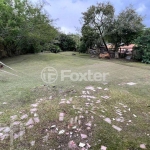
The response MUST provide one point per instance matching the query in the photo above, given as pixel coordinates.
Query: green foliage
(83, 47)
(142, 50)
(76, 38)
(89, 36)
(125, 27)
(66, 43)
(55, 48)
(24, 27)
(97, 19)
(100, 22)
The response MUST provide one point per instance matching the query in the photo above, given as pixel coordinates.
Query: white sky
(68, 12)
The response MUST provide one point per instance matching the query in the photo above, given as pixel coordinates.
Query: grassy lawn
(127, 107)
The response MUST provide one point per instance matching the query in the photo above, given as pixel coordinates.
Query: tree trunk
(101, 36)
(105, 44)
(116, 51)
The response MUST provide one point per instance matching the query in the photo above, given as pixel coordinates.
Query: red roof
(129, 47)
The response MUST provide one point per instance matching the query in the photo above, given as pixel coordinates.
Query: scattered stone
(81, 117)
(72, 145)
(106, 89)
(61, 116)
(61, 132)
(88, 145)
(6, 130)
(35, 114)
(100, 88)
(79, 122)
(1, 134)
(142, 146)
(88, 128)
(45, 138)
(32, 143)
(83, 136)
(98, 101)
(105, 97)
(134, 115)
(1, 129)
(83, 92)
(76, 119)
(53, 126)
(63, 99)
(1, 113)
(121, 119)
(81, 144)
(88, 92)
(50, 98)
(103, 147)
(20, 134)
(36, 119)
(30, 126)
(13, 117)
(62, 102)
(30, 122)
(105, 83)
(25, 116)
(4, 136)
(131, 83)
(89, 124)
(108, 120)
(117, 128)
(90, 88)
(75, 127)
(4, 103)
(33, 110)
(88, 96)
(120, 114)
(93, 112)
(16, 123)
(34, 105)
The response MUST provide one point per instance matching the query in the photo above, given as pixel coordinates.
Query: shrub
(142, 50)
(82, 47)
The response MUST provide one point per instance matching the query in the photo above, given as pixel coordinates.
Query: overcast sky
(68, 12)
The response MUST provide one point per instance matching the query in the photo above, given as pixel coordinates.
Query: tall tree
(89, 36)
(142, 49)
(24, 27)
(125, 27)
(66, 42)
(99, 17)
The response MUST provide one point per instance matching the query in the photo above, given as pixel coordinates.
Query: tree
(89, 36)
(24, 27)
(99, 17)
(66, 42)
(125, 27)
(142, 49)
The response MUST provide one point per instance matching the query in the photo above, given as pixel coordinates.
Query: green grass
(20, 92)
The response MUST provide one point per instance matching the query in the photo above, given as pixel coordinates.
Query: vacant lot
(110, 114)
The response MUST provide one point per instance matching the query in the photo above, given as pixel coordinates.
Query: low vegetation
(28, 88)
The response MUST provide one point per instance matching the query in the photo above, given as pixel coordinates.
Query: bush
(51, 47)
(142, 50)
(55, 49)
(82, 47)
(66, 43)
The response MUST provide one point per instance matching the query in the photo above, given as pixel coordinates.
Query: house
(127, 48)
(126, 51)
